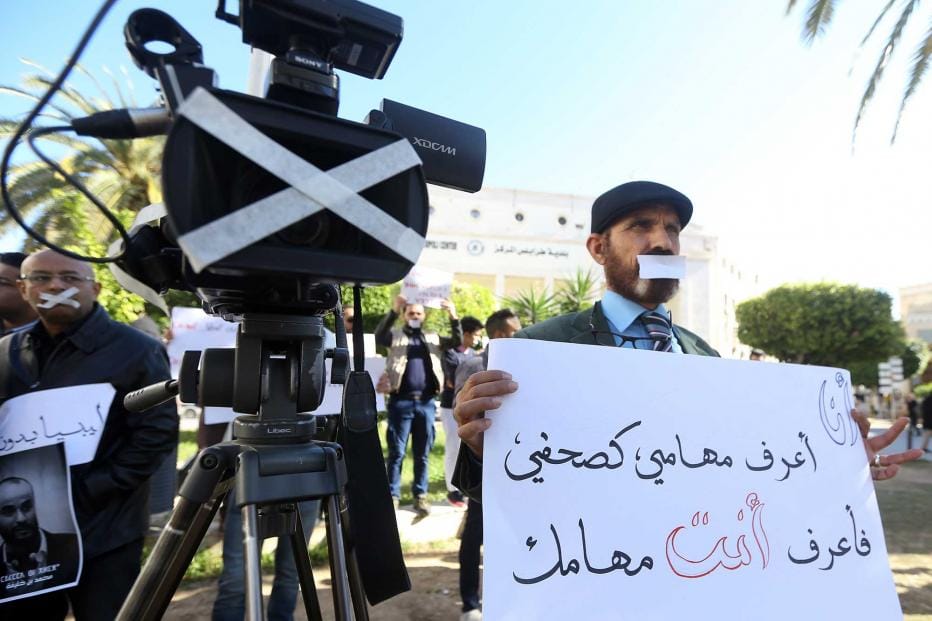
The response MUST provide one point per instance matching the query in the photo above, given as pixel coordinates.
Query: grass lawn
(207, 562)
(906, 508)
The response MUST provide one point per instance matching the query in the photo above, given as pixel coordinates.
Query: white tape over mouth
(312, 189)
(661, 266)
(54, 299)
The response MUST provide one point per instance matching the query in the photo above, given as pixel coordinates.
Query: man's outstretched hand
(483, 391)
(884, 466)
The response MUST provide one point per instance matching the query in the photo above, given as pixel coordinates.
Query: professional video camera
(205, 179)
(268, 204)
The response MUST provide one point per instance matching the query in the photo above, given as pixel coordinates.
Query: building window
(519, 217)
(475, 213)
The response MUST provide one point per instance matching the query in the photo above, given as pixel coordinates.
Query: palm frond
(877, 21)
(116, 87)
(819, 16)
(103, 92)
(37, 65)
(888, 49)
(789, 6)
(12, 90)
(920, 65)
(69, 93)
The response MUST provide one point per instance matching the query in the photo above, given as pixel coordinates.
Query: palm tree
(123, 174)
(577, 293)
(531, 305)
(819, 16)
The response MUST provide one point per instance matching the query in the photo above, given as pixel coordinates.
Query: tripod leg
(252, 547)
(341, 591)
(170, 557)
(305, 573)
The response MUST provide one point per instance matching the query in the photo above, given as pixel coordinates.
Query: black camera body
(204, 179)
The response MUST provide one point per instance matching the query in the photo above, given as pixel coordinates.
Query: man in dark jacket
(76, 343)
(634, 219)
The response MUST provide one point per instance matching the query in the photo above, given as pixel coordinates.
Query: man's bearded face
(649, 230)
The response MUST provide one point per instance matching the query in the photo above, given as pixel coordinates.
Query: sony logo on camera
(436, 146)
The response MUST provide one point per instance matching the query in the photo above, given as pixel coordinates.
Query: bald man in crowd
(76, 343)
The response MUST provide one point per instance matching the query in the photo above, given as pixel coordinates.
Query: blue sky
(719, 99)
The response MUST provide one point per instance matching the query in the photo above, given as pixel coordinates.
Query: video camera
(207, 181)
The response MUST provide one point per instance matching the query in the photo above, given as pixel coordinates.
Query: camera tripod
(277, 370)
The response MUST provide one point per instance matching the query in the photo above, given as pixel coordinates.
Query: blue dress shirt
(623, 317)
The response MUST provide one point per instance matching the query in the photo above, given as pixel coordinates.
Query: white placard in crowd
(426, 286)
(645, 485)
(193, 329)
(74, 415)
(333, 395)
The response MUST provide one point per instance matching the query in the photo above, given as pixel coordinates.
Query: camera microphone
(124, 123)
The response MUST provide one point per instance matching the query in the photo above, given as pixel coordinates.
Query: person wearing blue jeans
(230, 604)
(412, 372)
(414, 417)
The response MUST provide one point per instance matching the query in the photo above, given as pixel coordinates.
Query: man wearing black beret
(636, 218)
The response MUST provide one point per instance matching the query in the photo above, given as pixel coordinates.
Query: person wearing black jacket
(75, 343)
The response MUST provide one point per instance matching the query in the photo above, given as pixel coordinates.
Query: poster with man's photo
(40, 549)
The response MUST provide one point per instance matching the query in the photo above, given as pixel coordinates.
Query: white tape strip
(661, 266)
(147, 214)
(54, 299)
(312, 189)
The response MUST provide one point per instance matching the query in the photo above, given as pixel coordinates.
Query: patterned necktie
(658, 328)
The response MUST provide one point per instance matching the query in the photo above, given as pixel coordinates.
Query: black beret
(629, 196)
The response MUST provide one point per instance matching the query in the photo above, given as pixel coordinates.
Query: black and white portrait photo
(40, 550)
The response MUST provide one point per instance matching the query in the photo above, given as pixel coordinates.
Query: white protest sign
(193, 329)
(333, 395)
(427, 286)
(646, 485)
(75, 415)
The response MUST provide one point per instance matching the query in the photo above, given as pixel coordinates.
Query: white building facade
(514, 240)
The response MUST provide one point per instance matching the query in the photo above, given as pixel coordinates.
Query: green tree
(819, 15)
(376, 301)
(118, 302)
(469, 299)
(578, 293)
(914, 357)
(123, 174)
(825, 323)
(532, 305)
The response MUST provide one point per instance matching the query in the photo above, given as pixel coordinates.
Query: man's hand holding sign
(678, 485)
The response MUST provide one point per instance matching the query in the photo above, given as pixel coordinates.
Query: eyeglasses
(620, 340)
(43, 278)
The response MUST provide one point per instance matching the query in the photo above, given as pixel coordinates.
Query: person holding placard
(501, 324)
(75, 343)
(635, 238)
(413, 368)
